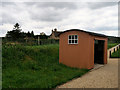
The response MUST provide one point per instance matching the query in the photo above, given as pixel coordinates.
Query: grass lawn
(110, 45)
(35, 67)
(116, 54)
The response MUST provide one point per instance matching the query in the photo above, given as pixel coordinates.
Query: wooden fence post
(38, 40)
(117, 48)
(114, 49)
(110, 55)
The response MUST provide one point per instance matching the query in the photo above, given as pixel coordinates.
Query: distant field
(116, 54)
(110, 45)
(35, 67)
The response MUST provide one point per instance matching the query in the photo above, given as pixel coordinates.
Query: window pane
(76, 37)
(72, 36)
(72, 41)
(69, 36)
(76, 41)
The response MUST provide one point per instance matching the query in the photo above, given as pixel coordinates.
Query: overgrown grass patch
(116, 54)
(35, 67)
(110, 45)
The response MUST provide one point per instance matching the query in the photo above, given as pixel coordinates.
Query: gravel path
(104, 77)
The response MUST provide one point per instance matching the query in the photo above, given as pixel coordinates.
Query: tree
(15, 33)
(32, 34)
(17, 26)
(28, 34)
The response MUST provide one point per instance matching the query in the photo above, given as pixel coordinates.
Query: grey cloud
(105, 28)
(38, 10)
(50, 14)
(53, 15)
(73, 5)
(41, 10)
(97, 5)
(4, 4)
(57, 5)
(50, 18)
(10, 12)
(8, 19)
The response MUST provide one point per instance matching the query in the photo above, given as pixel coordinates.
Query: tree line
(17, 33)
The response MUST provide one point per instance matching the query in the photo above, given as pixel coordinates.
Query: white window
(73, 39)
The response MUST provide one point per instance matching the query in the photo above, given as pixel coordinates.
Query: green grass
(35, 67)
(116, 54)
(110, 45)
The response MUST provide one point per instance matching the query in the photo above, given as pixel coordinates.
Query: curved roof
(91, 33)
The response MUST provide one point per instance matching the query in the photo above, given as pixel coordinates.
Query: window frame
(73, 39)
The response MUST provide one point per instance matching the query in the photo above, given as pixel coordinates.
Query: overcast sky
(100, 17)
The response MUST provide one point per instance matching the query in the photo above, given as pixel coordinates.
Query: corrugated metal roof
(91, 33)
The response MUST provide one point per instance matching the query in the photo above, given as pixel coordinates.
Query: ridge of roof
(91, 33)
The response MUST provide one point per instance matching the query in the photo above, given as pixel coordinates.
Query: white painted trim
(73, 39)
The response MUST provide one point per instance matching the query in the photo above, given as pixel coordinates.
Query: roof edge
(91, 33)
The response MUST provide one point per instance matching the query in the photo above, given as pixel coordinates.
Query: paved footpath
(104, 77)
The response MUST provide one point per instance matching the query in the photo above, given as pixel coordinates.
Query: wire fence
(30, 41)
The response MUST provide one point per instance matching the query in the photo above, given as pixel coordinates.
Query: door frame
(103, 49)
